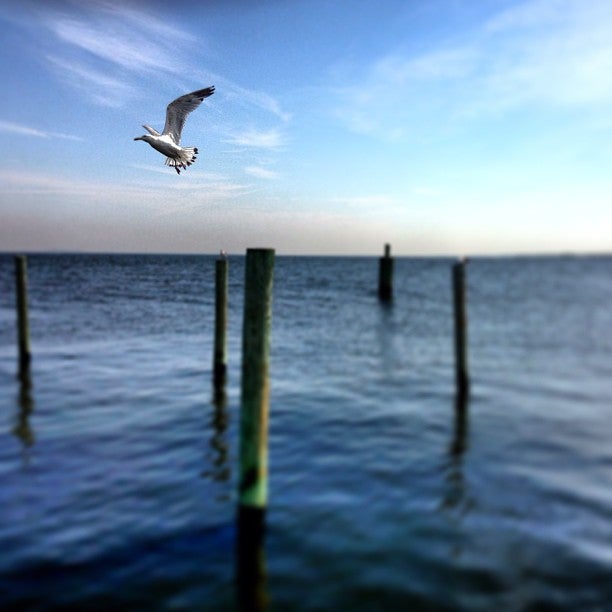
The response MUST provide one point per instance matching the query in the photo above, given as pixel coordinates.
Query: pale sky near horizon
(439, 126)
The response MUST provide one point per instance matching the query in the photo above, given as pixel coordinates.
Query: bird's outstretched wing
(151, 130)
(177, 111)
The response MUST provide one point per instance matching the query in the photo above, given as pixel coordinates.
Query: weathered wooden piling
(461, 356)
(385, 276)
(253, 476)
(253, 471)
(220, 346)
(23, 326)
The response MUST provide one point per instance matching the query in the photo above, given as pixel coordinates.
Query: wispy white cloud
(253, 97)
(527, 15)
(190, 190)
(544, 53)
(162, 169)
(33, 182)
(263, 173)
(372, 202)
(134, 40)
(261, 139)
(556, 53)
(448, 63)
(17, 128)
(399, 89)
(156, 169)
(98, 86)
(144, 21)
(105, 47)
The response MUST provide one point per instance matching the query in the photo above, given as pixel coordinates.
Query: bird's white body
(164, 144)
(168, 143)
(176, 156)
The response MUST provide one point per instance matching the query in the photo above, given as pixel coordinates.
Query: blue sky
(440, 126)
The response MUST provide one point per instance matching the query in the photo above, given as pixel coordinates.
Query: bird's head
(145, 137)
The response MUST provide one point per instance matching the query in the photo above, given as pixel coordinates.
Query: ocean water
(118, 465)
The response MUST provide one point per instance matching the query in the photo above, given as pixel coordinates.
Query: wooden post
(253, 477)
(385, 276)
(220, 347)
(461, 358)
(21, 280)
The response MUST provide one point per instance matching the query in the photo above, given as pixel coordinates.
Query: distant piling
(253, 478)
(385, 276)
(220, 345)
(23, 326)
(461, 355)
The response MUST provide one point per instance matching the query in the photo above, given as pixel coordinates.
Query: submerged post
(21, 282)
(220, 347)
(461, 358)
(253, 477)
(385, 276)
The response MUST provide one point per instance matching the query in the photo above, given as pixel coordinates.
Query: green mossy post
(220, 347)
(21, 282)
(461, 358)
(253, 477)
(385, 276)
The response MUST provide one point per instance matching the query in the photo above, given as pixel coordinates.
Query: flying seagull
(168, 142)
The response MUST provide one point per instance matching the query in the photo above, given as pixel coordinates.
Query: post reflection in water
(219, 463)
(455, 496)
(23, 430)
(386, 334)
(459, 444)
(251, 576)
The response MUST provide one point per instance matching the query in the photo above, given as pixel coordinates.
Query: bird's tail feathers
(186, 157)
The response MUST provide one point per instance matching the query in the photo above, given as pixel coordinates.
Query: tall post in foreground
(21, 281)
(461, 360)
(385, 276)
(253, 476)
(220, 347)
(253, 480)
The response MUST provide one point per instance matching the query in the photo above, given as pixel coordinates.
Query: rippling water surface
(118, 467)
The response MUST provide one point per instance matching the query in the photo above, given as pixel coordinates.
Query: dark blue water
(118, 470)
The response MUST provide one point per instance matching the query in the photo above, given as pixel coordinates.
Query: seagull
(168, 142)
